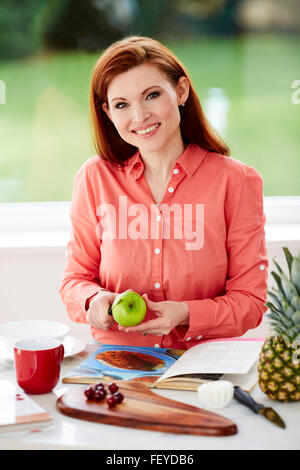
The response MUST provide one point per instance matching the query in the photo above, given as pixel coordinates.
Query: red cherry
(111, 401)
(89, 393)
(99, 386)
(113, 387)
(119, 397)
(99, 395)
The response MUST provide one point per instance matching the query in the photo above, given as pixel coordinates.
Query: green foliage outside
(29, 27)
(45, 130)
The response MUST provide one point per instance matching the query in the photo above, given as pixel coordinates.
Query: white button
(170, 189)
(156, 346)
(261, 267)
(175, 171)
(158, 218)
(157, 285)
(189, 338)
(157, 251)
(199, 336)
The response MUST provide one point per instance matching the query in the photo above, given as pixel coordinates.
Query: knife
(245, 399)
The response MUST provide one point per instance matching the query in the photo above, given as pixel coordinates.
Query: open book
(233, 359)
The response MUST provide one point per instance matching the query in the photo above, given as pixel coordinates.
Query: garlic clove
(215, 394)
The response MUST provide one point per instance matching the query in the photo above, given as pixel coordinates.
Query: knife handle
(245, 399)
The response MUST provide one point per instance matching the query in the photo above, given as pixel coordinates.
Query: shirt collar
(191, 158)
(135, 165)
(189, 161)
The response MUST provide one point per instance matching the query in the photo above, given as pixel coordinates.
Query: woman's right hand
(97, 314)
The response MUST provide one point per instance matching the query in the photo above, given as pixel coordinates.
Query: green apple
(129, 308)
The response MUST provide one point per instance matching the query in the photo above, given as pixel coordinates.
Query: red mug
(37, 364)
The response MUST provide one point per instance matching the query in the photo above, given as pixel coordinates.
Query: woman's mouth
(147, 131)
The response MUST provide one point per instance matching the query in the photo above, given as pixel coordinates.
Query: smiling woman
(146, 114)
(117, 70)
(196, 250)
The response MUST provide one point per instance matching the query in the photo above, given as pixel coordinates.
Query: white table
(254, 431)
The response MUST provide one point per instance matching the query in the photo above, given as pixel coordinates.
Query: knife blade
(246, 399)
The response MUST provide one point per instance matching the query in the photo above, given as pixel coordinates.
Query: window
(245, 85)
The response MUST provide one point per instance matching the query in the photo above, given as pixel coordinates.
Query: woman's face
(143, 105)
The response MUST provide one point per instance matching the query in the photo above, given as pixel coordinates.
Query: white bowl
(17, 330)
(215, 394)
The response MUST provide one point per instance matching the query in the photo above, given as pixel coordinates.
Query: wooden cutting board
(144, 409)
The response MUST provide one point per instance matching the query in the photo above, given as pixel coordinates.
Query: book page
(192, 381)
(217, 357)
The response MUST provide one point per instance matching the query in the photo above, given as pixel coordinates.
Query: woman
(162, 210)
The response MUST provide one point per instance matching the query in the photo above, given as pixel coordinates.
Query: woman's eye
(120, 105)
(152, 95)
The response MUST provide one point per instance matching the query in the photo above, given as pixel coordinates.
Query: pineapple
(279, 360)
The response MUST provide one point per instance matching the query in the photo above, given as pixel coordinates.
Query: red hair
(128, 53)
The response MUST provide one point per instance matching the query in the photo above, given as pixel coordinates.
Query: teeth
(149, 129)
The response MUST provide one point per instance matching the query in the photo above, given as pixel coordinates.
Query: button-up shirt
(204, 244)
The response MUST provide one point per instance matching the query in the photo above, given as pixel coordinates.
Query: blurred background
(242, 55)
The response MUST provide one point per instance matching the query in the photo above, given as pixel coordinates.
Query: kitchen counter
(254, 431)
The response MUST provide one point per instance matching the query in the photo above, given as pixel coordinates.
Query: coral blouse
(204, 244)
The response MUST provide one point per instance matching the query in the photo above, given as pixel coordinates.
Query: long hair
(122, 56)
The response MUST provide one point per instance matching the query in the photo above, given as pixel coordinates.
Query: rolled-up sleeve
(243, 304)
(81, 273)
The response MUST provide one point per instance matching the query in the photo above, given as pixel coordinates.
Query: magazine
(233, 359)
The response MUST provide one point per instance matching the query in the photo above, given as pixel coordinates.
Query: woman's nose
(139, 113)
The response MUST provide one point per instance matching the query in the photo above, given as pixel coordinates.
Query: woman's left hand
(170, 314)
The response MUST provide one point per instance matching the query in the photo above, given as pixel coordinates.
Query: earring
(182, 105)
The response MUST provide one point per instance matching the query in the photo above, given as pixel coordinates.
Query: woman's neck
(158, 165)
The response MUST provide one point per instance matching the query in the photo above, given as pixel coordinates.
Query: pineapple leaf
(277, 266)
(288, 287)
(295, 273)
(295, 302)
(274, 317)
(281, 333)
(281, 318)
(272, 307)
(279, 294)
(293, 332)
(276, 301)
(286, 321)
(296, 317)
(278, 281)
(287, 309)
(296, 339)
(277, 328)
(288, 257)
